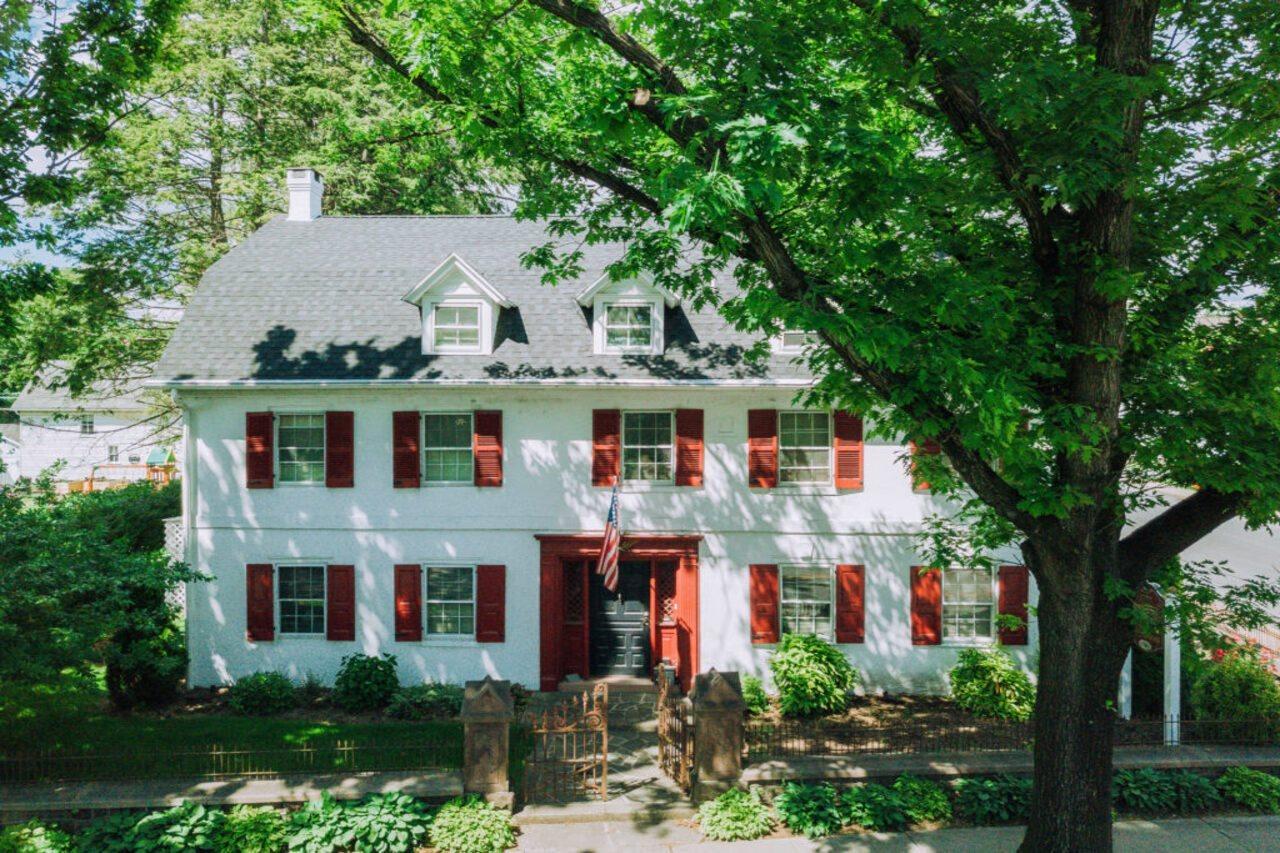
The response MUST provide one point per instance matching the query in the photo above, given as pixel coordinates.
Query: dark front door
(620, 622)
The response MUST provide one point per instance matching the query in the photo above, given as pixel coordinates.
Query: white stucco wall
(547, 489)
(49, 437)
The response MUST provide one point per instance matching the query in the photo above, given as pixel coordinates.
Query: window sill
(303, 484)
(448, 640)
(816, 489)
(642, 486)
(980, 643)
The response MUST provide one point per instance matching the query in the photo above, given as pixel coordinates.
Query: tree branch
(1173, 531)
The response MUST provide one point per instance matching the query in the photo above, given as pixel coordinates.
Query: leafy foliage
(875, 807)
(1240, 687)
(1145, 790)
(188, 827)
(470, 825)
(252, 829)
(987, 683)
(999, 799)
(924, 801)
(753, 694)
(110, 834)
(812, 676)
(263, 693)
(735, 815)
(1253, 789)
(34, 837)
(382, 823)
(814, 811)
(426, 702)
(365, 682)
(1195, 792)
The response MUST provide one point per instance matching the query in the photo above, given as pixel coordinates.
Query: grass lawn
(66, 731)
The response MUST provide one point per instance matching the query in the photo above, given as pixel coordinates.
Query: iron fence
(767, 739)
(217, 762)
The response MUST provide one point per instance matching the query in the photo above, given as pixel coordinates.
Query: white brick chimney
(306, 191)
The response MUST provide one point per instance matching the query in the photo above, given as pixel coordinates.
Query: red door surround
(673, 601)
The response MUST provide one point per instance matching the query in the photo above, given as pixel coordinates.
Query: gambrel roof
(323, 301)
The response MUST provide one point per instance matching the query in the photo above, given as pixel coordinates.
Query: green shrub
(735, 815)
(753, 694)
(987, 683)
(426, 702)
(1239, 688)
(520, 698)
(35, 837)
(365, 682)
(263, 693)
(924, 801)
(318, 827)
(187, 827)
(470, 825)
(1000, 799)
(811, 810)
(109, 834)
(812, 676)
(1146, 791)
(311, 691)
(874, 807)
(146, 660)
(1253, 789)
(252, 829)
(1195, 793)
(383, 823)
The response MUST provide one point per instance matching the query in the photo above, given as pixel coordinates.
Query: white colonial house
(398, 440)
(102, 437)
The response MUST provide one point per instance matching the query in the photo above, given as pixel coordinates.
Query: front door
(620, 622)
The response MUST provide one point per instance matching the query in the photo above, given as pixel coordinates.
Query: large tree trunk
(1082, 650)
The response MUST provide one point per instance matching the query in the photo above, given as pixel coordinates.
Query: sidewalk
(1192, 835)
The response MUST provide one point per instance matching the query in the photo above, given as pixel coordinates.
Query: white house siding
(50, 437)
(547, 489)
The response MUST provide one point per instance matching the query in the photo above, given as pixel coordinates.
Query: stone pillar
(719, 728)
(487, 711)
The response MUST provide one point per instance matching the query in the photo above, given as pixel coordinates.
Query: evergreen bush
(987, 683)
(365, 682)
(812, 676)
(263, 693)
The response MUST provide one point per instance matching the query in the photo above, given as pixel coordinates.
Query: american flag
(607, 565)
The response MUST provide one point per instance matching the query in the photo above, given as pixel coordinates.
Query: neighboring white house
(398, 440)
(102, 437)
(8, 455)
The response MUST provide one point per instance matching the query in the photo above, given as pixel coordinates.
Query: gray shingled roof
(321, 300)
(100, 397)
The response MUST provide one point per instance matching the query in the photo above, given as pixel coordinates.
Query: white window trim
(657, 332)
(484, 337)
(830, 637)
(622, 437)
(90, 422)
(422, 453)
(275, 447)
(449, 639)
(971, 642)
(817, 486)
(275, 595)
(780, 344)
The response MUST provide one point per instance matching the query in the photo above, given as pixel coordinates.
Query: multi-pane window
(628, 326)
(113, 453)
(457, 327)
(451, 603)
(806, 600)
(968, 605)
(804, 444)
(647, 446)
(446, 448)
(795, 339)
(86, 424)
(301, 597)
(300, 439)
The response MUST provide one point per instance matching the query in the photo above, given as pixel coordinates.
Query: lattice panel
(575, 594)
(666, 597)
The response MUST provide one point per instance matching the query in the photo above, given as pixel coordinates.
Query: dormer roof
(450, 266)
(587, 296)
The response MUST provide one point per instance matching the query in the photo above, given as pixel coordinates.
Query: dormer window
(456, 328)
(794, 340)
(459, 309)
(628, 328)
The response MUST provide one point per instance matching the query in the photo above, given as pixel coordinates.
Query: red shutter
(340, 450)
(491, 604)
(408, 603)
(850, 603)
(848, 451)
(259, 450)
(260, 610)
(764, 604)
(688, 447)
(1013, 602)
(606, 446)
(930, 448)
(762, 448)
(486, 445)
(406, 470)
(340, 588)
(926, 606)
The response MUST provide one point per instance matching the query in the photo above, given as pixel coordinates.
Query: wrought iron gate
(568, 755)
(675, 729)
